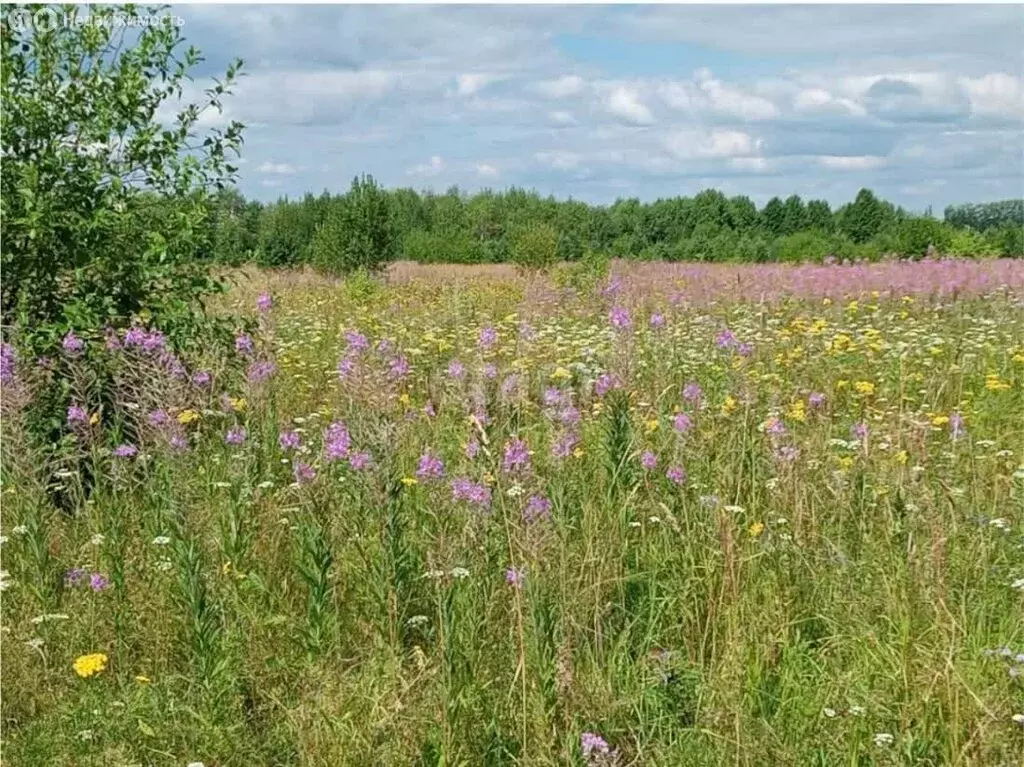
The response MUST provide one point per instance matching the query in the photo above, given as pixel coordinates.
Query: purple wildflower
(303, 472)
(568, 416)
(605, 383)
(517, 457)
(553, 396)
(73, 344)
(593, 743)
(488, 337)
(98, 582)
(775, 427)
(360, 461)
(154, 341)
(289, 440)
(77, 414)
(75, 576)
(337, 442)
(264, 302)
(472, 448)
(178, 442)
(648, 460)
(538, 507)
(201, 379)
(745, 349)
(692, 392)
(258, 372)
(356, 341)
(526, 332)
(126, 450)
(384, 346)
(399, 367)
(956, 426)
(243, 343)
(725, 339)
(430, 467)
(676, 474)
(490, 370)
(816, 400)
(159, 418)
(456, 369)
(509, 387)
(6, 363)
(347, 365)
(682, 423)
(619, 318)
(563, 446)
(112, 342)
(787, 454)
(135, 336)
(657, 320)
(513, 577)
(463, 489)
(859, 430)
(429, 411)
(235, 435)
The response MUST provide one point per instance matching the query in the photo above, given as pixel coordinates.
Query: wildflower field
(682, 515)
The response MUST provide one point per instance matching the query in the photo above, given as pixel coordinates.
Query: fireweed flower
(605, 383)
(517, 457)
(264, 302)
(859, 430)
(347, 365)
(472, 448)
(619, 318)
(956, 426)
(98, 582)
(73, 344)
(513, 577)
(337, 442)
(360, 461)
(537, 507)
(259, 372)
(235, 435)
(456, 370)
(591, 743)
(648, 460)
(430, 467)
(816, 400)
(775, 427)
(289, 440)
(178, 442)
(509, 387)
(657, 320)
(201, 379)
(526, 332)
(6, 363)
(563, 446)
(77, 414)
(356, 341)
(682, 423)
(126, 450)
(159, 418)
(154, 341)
(553, 397)
(303, 472)
(243, 343)
(134, 336)
(111, 341)
(676, 475)
(725, 339)
(429, 411)
(399, 367)
(488, 337)
(464, 489)
(75, 576)
(745, 349)
(692, 392)
(490, 370)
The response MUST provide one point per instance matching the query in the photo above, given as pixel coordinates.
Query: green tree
(357, 231)
(773, 217)
(864, 218)
(819, 216)
(105, 209)
(534, 247)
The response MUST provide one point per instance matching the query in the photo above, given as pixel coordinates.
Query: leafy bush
(105, 209)
(534, 246)
(356, 232)
(803, 246)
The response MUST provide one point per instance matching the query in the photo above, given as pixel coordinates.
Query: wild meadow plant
(686, 515)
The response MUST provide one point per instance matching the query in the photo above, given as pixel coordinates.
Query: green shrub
(534, 246)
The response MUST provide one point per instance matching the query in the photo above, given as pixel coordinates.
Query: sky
(923, 104)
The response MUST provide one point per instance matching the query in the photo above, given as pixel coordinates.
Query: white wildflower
(434, 574)
(857, 710)
(459, 572)
(829, 712)
(161, 540)
(1018, 718)
(97, 539)
(5, 580)
(20, 530)
(883, 739)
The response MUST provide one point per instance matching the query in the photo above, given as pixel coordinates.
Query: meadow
(683, 514)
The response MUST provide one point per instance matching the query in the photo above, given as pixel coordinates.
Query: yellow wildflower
(797, 411)
(187, 417)
(561, 374)
(143, 679)
(756, 529)
(409, 481)
(238, 404)
(940, 420)
(578, 453)
(404, 398)
(652, 425)
(901, 457)
(729, 405)
(864, 387)
(87, 665)
(94, 418)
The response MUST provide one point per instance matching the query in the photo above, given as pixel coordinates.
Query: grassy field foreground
(685, 516)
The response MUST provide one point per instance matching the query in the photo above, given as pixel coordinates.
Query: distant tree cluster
(369, 226)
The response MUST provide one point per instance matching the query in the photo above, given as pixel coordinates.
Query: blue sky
(924, 104)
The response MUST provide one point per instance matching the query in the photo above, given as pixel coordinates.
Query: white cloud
(559, 159)
(821, 101)
(432, 168)
(733, 101)
(278, 168)
(484, 170)
(563, 87)
(753, 164)
(688, 144)
(997, 93)
(862, 162)
(560, 117)
(624, 102)
(468, 84)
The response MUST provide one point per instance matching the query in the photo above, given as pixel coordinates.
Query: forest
(370, 225)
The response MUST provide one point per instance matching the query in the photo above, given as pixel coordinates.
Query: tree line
(370, 225)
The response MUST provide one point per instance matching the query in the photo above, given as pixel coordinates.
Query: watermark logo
(46, 19)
